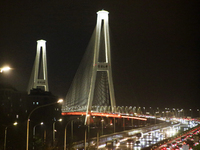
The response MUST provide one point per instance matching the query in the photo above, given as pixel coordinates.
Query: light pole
(54, 130)
(102, 126)
(174, 112)
(144, 111)
(34, 132)
(35, 127)
(27, 130)
(182, 113)
(191, 112)
(65, 138)
(199, 112)
(15, 123)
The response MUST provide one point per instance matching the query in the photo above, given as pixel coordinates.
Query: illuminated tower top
(103, 14)
(39, 74)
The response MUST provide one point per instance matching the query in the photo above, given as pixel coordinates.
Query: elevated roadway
(156, 130)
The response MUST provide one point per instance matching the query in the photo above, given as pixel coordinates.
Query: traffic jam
(187, 141)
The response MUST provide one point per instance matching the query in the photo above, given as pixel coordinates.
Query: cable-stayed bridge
(92, 90)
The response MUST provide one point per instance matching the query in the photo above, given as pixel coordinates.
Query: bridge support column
(88, 130)
(72, 130)
(97, 139)
(138, 123)
(124, 123)
(132, 123)
(114, 124)
(85, 138)
(102, 126)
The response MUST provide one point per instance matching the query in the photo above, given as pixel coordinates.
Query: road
(149, 135)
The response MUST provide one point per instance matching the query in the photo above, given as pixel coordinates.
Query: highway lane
(148, 134)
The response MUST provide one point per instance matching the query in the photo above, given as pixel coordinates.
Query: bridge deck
(103, 115)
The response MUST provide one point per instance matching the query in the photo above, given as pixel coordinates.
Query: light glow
(15, 123)
(60, 101)
(5, 69)
(102, 146)
(102, 115)
(103, 14)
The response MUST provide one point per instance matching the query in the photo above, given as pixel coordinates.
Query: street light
(144, 111)
(191, 112)
(41, 123)
(60, 101)
(34, 132)
(15, 123)
(55, 130)
(65, 138)
(4, 69)
(102, 126)
(27, 130)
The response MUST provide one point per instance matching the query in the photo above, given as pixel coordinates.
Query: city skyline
(154, 47)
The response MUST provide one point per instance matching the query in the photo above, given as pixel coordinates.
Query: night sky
(155, 46)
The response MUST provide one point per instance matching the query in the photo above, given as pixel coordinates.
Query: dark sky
(154, 46)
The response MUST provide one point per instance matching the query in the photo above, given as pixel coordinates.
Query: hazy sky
(154, 46)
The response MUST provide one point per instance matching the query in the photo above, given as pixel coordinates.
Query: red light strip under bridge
(102, 115)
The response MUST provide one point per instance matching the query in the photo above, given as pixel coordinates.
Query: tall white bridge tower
(93, 83)
(39, 72)
(101, 64)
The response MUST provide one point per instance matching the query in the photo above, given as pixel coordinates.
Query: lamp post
(144, 111)
(150, 111)
(102, 126)
(35, 127)
(15, 123)
(54, 130)
(182, 113)
(191, 112)
(174, 112)
(199, 112)
(27, 130)
(65, 138)
(34, 132)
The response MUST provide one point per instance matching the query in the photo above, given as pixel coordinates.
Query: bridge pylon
(39, 77)
(101, 64)
(92, 86)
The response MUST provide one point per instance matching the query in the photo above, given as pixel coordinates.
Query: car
(116, 141)
(196, 143)
(183, 138)
(173, 144)
(169, 145)
(175, 148)
(179, 144)
(109, 144)
(137, 143)
(130, 142)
